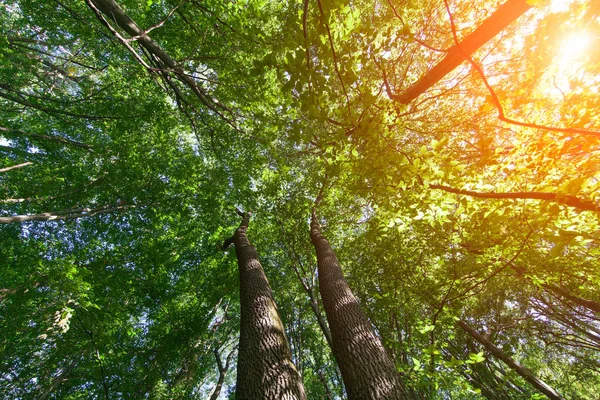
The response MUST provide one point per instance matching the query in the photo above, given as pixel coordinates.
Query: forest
(300, 199)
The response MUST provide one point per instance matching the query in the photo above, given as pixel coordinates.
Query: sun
(575, 46)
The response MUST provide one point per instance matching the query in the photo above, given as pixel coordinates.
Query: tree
(265, 368)
(366, 368)
(475, 201)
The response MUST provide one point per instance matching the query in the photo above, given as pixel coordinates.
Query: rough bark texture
(524, 372)
(367, 371)
(264, 369)
(498, 21)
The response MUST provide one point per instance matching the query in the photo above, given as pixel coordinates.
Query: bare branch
(567, 200)
(48, 137)
(64, 214)
(15, 166)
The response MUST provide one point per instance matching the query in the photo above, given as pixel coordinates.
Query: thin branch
(305, 33)
(493, 274)
(98, 357)
(15, 166)
(567, 200)
(335, 58)
(64, 214)
(162, 22)
(413, 36)
(48, 137)
(47, 198)
(53, 111)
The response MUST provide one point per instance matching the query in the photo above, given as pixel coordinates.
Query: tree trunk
(367, 371)
(264, 368)
(498, 21)
(524, 372)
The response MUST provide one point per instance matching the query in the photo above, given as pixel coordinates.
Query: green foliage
(132, 303)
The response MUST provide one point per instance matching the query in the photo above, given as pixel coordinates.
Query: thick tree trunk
(524, 372)
(367, 371)
(264, 368)
(498, 21)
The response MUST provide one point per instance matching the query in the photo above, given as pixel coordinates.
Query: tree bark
(264, 368)
(367, 371)
(524, 372)
(498, 21)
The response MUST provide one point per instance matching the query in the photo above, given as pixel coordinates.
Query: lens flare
(576, 46)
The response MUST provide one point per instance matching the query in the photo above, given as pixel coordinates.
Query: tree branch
(501, 115)
(57, 139)
(6, 169)
(567, 200)
(499, 20)
(64, 214)
(111, 9)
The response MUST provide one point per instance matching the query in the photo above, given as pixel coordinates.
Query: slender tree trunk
(524, 372)
(367, 371)
(498, 21)
(589, 304)
(264, 368)
(314, 305)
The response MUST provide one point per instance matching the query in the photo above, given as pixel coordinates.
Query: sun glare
(575, 45)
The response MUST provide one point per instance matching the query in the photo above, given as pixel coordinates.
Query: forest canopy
(448, 151)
